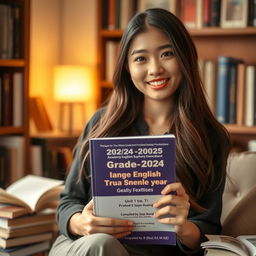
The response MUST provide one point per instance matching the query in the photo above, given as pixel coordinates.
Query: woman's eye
(140, 59)
(167, 54)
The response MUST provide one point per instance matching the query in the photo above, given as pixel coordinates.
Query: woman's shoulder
(97, 115)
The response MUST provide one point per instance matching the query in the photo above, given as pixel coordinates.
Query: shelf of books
(225, 45)
(14, 67)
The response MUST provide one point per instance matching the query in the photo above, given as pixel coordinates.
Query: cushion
(239, 197)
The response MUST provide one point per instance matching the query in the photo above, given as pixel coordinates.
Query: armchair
(239, 198)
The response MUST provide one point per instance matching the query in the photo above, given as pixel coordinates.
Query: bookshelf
(14, 61)
(211, 42)
(55, 153)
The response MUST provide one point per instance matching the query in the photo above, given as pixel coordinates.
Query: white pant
(93, 245)
(106, 245)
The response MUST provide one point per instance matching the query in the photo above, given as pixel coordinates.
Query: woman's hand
(175, 204)
(86, 223)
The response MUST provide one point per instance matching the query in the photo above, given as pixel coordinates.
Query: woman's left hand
(175, 202)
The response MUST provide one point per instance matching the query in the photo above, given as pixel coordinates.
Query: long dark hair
(192, 118)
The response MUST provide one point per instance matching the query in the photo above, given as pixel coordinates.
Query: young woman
(157, 90)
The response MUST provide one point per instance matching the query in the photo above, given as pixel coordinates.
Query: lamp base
(67, 109)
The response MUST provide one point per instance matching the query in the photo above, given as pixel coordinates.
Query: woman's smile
(158, 84)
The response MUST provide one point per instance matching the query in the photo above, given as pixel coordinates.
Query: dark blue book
(226, 87)
(215, 13)
(128, 175)
(233, 94)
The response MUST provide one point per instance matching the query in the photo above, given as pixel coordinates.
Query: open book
(33, 193)
(242, 245)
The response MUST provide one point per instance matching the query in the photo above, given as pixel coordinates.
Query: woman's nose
(155, 67)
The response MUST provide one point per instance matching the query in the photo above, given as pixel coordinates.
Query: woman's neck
(157, 117)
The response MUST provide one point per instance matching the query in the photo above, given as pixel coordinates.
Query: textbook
(27, 230)
(11, 211)
(6, 243)
(128, 175)
(244, 245)
(26, 250)
(43, 217)
(33, 193)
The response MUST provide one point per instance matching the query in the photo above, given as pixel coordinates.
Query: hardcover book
(34, 193)
(7, 243)
(47, 216)
(128, 175)
(243, 245)
(8, 233)
(24, 250)
(226, 88)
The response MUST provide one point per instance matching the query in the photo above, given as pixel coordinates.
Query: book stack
(27, 215)
(222, 245)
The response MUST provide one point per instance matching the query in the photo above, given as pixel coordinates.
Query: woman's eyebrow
(164, 46)
(144, 50)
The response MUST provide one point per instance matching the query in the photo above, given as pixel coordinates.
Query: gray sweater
(77, 193)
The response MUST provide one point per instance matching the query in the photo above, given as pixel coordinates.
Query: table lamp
(73, 85)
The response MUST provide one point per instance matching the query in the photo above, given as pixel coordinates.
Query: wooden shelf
(235, 129)
(111, 33)
(12, 63)
(217, 31)
(211, 31)
(11, 130)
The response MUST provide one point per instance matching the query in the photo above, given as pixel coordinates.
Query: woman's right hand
(86, 223)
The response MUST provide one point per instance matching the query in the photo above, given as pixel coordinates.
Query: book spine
(210, 83)
(17, 32)
(105, 14)
(111, 49)
(117, 14)
(233, 94)
(93, 182)
(215, 13)
(249, 96)
(4, 166)
(7, 99)
(17, 99)
(127, 10)
(254, 14)
(240, 94)
(206, 13)
(199, 13)
(223, 85)
(4, 30)
(188, 13)
(111, 14)
(1, 99)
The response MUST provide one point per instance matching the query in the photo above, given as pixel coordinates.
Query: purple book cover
(128, 175)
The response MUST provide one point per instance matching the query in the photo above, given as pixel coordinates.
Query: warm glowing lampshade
(73, 86)
(73, 83)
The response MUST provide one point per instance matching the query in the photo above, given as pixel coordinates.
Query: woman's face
(152, 65)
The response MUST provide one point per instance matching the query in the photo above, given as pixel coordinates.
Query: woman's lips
(158, 83)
